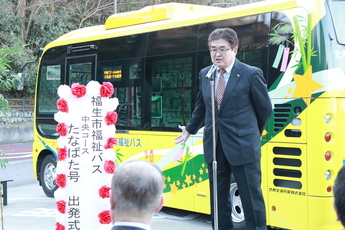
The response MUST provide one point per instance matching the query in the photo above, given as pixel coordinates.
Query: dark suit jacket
(125, 228)
(244, 112)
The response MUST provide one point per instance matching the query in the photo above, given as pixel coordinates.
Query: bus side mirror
(20, 82)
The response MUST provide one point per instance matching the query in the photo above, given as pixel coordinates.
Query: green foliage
(10, 24)
(118, 157)
(3, 162)
(301, 34)
(187, 157)
(3, 104)
(280, 31)
(8, 78)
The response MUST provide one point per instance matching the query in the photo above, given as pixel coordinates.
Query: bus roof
(166, 16)
(155, 13)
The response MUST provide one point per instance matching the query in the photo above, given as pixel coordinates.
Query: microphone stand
(214, 163)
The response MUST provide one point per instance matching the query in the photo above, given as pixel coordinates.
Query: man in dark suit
(136, 195)
(242, 109)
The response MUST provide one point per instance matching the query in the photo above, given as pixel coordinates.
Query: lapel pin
(238, 75)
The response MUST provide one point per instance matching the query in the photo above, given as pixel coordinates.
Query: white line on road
(17, 156)
(38, 212)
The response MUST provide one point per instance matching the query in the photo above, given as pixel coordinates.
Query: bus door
(80, 69)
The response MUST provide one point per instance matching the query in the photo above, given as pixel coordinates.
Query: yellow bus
(152, 57)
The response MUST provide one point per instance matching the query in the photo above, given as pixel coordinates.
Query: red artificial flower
(62, 105)
(59, 226)
(61, 206)
(78, 90)
(110, 118)
(110, 143)
(62, 153)
(62, 129)
(104, 217)
(104, 192)
(107, 89)
(61, 180)
(109, 167)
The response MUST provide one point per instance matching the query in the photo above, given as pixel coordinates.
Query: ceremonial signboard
(86, 119)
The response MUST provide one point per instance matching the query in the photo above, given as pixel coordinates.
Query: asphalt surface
(29, 208)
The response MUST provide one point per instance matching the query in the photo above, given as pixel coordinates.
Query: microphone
(211, 70)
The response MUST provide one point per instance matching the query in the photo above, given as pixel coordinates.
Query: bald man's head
(137, 188)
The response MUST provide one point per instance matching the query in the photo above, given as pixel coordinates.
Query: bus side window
(129, 109)
(49, 80)
(171, 100)
(80, 73)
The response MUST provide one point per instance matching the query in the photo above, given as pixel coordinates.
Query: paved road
(16, 152)
(30, 209)
(19, 168)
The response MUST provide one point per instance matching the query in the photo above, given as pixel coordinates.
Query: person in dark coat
(242, 110)
(136, 195)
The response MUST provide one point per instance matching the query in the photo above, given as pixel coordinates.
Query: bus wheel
(237, 213)
(47, 175)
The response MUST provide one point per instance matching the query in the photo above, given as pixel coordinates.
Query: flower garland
(86, 125)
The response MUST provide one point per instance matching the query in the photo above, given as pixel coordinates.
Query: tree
(89, 12)
(14, 52)
(32, 24)
(8, 79)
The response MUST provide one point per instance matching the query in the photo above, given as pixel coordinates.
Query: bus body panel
(318, 166)
(287, 185)
(155, 69)
(322, 218)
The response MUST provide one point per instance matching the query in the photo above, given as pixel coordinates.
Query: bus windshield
(337, 9)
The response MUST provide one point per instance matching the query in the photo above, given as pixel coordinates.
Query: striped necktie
(220, 88)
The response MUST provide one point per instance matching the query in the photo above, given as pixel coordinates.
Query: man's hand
(183, 137)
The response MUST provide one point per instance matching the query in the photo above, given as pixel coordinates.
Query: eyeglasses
(219, 50)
